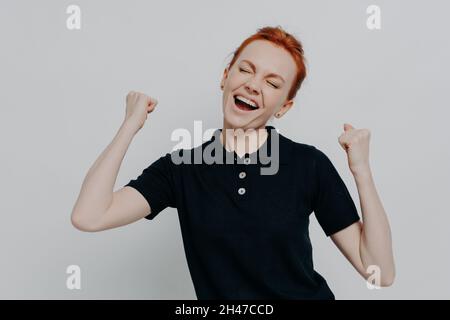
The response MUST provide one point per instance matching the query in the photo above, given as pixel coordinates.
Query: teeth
(247, 101)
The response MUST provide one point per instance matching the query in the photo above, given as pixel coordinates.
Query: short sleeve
(156, 185)
(332, 203)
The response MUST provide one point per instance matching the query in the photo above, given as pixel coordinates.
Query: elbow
(82, 225)
(377, 278)
(387, 282)
(384, 282)
(389, 278)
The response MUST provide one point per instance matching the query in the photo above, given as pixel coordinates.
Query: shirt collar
(275, 144)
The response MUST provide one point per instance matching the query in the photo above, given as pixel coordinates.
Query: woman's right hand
(138, 107)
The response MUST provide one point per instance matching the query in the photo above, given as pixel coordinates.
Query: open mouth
(244, 104)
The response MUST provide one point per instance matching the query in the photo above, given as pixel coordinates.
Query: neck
(242, 140)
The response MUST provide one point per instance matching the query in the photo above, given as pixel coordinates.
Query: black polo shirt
(245, 234)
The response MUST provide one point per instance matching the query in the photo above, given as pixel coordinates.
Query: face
(263, 73)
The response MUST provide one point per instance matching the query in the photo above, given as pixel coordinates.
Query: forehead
(268, 57)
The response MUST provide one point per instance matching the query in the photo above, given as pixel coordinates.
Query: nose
(252, 87)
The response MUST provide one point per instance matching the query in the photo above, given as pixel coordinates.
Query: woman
(245, 233)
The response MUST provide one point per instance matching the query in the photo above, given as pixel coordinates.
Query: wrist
(128, 128)
(362, 170)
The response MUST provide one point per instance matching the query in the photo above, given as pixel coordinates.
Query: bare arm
(368, 243)
(98, 207)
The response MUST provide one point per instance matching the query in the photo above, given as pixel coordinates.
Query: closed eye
(272, 84)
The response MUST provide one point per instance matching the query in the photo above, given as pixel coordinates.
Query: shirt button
(242, 175)
(246, 160)
(241, 191)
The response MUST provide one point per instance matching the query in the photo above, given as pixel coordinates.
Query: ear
(224, 77)
(285, 108)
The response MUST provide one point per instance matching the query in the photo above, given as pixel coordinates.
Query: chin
(235, 120)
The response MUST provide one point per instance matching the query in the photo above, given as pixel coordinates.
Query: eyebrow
(269, 75)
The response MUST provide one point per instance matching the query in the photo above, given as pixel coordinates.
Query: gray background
(62, 97)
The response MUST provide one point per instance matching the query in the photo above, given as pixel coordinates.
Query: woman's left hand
(355, 142)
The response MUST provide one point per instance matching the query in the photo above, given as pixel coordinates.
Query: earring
(278, 115)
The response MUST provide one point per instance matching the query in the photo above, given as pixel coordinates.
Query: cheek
(234, 81)
(272, 100)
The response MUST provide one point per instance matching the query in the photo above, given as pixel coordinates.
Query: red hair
(282, 39)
